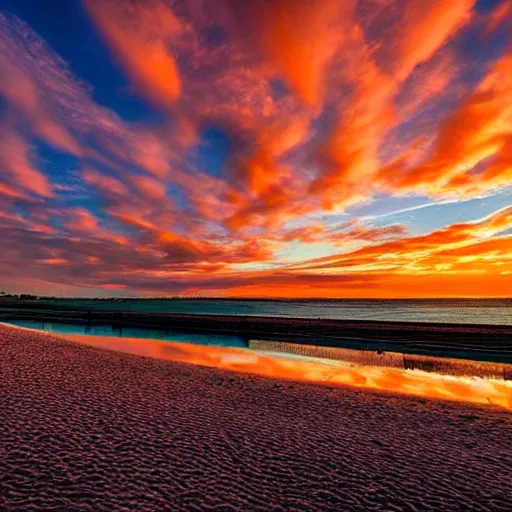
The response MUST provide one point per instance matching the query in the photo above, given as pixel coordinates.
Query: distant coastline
(186, 298)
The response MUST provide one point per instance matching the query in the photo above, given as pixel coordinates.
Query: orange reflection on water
(410, 382)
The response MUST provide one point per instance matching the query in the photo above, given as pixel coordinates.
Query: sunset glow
(272, 148)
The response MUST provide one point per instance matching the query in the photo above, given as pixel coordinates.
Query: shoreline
(314, 370)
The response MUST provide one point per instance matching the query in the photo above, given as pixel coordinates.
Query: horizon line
(269, 298)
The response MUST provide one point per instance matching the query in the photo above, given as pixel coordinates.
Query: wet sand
(92, 429)
(297, 368)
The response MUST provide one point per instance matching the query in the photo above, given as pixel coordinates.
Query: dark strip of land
(470, 341)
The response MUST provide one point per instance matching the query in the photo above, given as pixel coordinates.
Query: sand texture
(85, 429)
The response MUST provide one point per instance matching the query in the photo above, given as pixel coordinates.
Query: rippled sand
(90, 429)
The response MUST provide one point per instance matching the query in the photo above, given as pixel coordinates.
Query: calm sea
(470, 311)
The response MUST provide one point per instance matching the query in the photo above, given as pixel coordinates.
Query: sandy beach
(88, 429)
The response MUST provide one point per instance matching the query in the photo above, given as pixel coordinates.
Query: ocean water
(466, 311)
(218, 340)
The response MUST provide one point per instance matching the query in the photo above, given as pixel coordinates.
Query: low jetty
(440, 365)
(468, 341)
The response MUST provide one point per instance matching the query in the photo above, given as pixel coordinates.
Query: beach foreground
(91, 429)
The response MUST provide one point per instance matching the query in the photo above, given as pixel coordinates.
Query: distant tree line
(18, 296)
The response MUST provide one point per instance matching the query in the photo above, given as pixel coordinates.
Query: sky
(268, 148)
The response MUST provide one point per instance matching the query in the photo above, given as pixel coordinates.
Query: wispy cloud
(140, 36)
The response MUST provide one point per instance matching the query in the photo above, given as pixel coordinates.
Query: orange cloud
(149, 187)
(426, 27)
(106, 184)
(54, 261)
(8, 191)
(133, 220)
(467, 259)
(28, 224)
(139, 35)
(82, 220)
(296, 39)
(113, 286)
(141, 148)
(15, 158)
(364, 233)
(349, 156)
(22, 94)
(92, 260)
(428, 83)
(260, 171)
(409, 255)
(307, 234)
(299, 38)
(470, 136)
(181, 248)
(352, 231)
